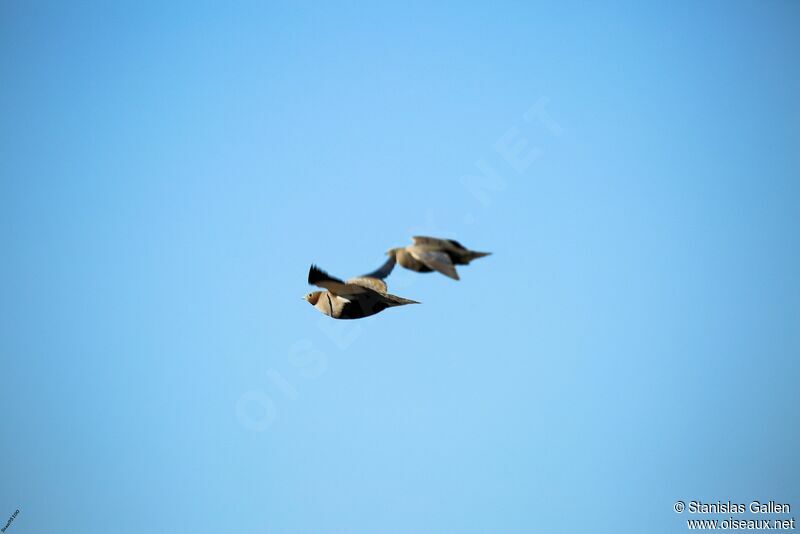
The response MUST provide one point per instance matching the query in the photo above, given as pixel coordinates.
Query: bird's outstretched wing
(374, 280)
(320, 278)
(436, 260)
(444, 244)
(383, 271)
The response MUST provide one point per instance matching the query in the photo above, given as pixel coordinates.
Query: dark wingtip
(315, 274)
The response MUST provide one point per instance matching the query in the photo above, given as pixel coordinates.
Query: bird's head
(392, 252)
(313, 297)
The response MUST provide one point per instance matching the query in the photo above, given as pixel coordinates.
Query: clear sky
(169, 171)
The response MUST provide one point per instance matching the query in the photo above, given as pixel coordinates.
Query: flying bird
(428, 254)
(356, 298)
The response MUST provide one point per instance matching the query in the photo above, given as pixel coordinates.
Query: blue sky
(168, 174)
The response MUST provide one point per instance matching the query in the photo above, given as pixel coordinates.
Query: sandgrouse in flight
(356, 298)
(428, 254)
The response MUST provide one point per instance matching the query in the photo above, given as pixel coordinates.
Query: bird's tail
(473, 255)
(394, 300)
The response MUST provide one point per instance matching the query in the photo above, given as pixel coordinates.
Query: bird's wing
(436, 260)
(444, 244)
(374, 280)
(383, 271)
(320, 278)
(374, 284)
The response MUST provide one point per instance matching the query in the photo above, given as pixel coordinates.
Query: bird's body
(356, 298)
(428, 254)
(341, 308)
